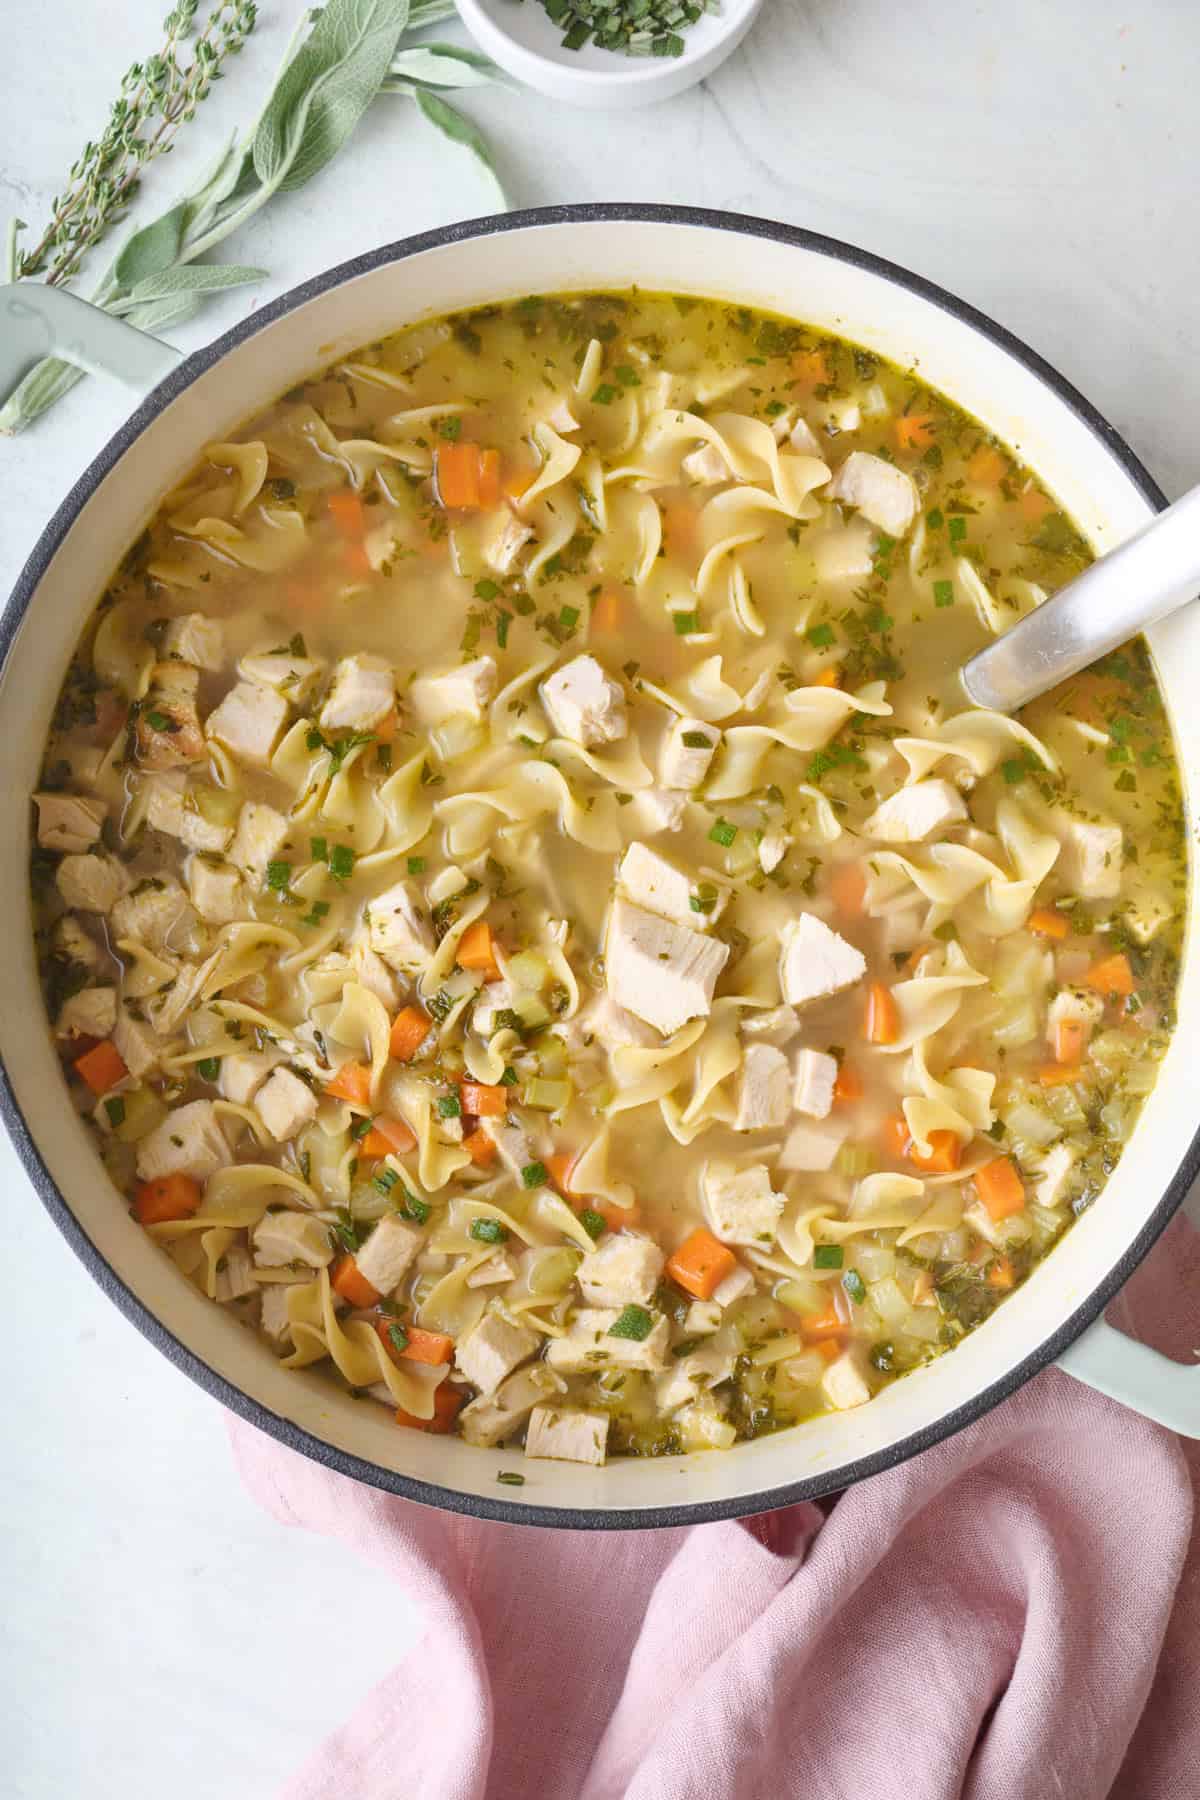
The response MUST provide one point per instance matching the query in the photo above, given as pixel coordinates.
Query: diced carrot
(517, 481)
(680, 524)
(826, 1324)
(848, 888)
(388, 1137)
(410, 1028)
(346, 511)
(458, 470)
(446, 1403)
(828, 1349)
(430, 1347)
(101, 1067)
(914, 431)
(848, 1085)
(1059, 1074)
(943, 1156)
(1047, 921)
(168, 1197)
(1000, 1187)
(1001, 1274)
(883, 1017)
(829, 676)
(1112, 975)
(489, 478)
(388, 726)
(606, 614)
(811, 369)
(476, 950)
(896, 1136)
(351, 1285)
(559, 1167)
(701, 1263)
(480, 1148)
(484, 1102)
(352, 1082)
(1034, 505)
(1070, 1040)
(986, 467)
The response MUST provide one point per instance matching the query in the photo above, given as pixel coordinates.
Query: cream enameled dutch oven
(1055, 1316)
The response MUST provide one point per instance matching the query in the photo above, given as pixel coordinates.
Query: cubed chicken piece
(772, 848)
(705, 467)
(651, 881)
(692, 1374)
(281, 1238)
(1073, 1006)
(90, 1013)
(491, 1350)
(815, 962)
(584, 703)
(803, 438)
(294, 677)
(260, 836)
(363, 692)
(171, 808)
(764, 1089)
(516, 1152)
(503, 541)
(567, 1435)
(168, 726)
(284, 1103)
(1052, 1175)
(71, 943)
(659, 809)
(371, 972)
(882, 493)
(400, 931)
(469, 690)
(492, 1418)
(844, 1383)
(776, 1025)
(248, 722)
(1146, 915)
(242, 1074)
(844, 555)
(274, 1317)
(188, 1142)
(662, 972)
(605, 1023)
(995, 1232)
(687, 752)
(195, 638)
(915, 813)
(811, 1148)
(740, 1204)
(737, 1284)
(495, 997)
(388, 1253)
(69, 821)
(623, 1267)
(235, 1275)
(90, 883)
(140, 1047)
(157, 913)
(215, 889)
(815, 1076)
(496, 1270)
(589, 1345)
(1092, 857)
(703, 1318)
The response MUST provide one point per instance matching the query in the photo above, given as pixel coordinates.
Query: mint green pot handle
(37, 321)
(1165, 1391)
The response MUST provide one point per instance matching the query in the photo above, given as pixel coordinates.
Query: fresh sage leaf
(195, 278)
(460, 131)
(442, 66)
(152, 249)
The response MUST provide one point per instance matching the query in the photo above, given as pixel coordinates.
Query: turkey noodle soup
(528, 915)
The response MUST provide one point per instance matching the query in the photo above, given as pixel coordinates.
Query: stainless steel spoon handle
(1142, 580)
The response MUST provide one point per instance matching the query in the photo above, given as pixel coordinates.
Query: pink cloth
(1014, 1614)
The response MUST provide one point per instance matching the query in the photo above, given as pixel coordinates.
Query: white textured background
(159, 1634)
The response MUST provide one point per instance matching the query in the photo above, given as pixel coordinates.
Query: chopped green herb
(934, 519)
(503, 621)
(279, 876)
(208, 1068)
(487, 590)
(957, 529)
(697, 740)
(592, 1222)
(723, 833)
(315, 913)
(341, 862)
(943, 593)
(820, 636)
(449, 1106)
(510, 1478)
(828, 1256)
(634, 1322)
(385, 1180)
(361, 1127)
(417, 1210)
(398, 1339)
(450, 429)
(509, 1077)
(534, 1175)
(416, 865)
(489, 1231)
(114, 1106)
(318, 849)
(685, 623)
(605, 394)
(568, 617)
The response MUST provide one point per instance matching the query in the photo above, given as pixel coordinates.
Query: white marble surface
(160, 1634)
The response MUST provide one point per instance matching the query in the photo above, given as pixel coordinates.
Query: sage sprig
(339, 59)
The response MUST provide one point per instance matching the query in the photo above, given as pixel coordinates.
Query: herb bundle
(631, 27)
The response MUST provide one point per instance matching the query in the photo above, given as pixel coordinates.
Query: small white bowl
(523, 39)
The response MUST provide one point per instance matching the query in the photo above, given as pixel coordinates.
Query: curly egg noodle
(526, 912)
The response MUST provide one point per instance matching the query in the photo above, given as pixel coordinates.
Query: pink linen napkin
(1011, 1616)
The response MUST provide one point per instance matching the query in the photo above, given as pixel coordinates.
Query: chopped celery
(547, 1096)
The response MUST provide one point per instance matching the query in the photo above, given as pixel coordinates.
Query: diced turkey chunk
(705, 466)
(294, 677)
(659, 809)
(503, 542)
(259, 837)
(215, 890)
(624, 1267)
(92, 1012)
(195, 638)
(567, 1435)
(399, 928)
(516, 1152)
(740, 1204)
(235, 1275)
(140, 1048)
(248, 722)
(157, 913)
(90, 883)
(1052, 1175)
(487, 1421)
(1092, 857)
(285, 1237)
(915, 813)
(764, 1089)
(188, 1142)
(491, 1350)
(651, 881)
(685, 759)
(168, 726)
(882, 493)
(468, 689)
(610, 1026)
(363, 692)
(844, 1383)
(68, 821)
(388, 1253)
(285, 1103)
(171, 807)
(815, 962)
(274, 1314)
(585, 704)
(777, 1025)
(1073, 1006)
(815, 1074)
(242, 1074)
(811, 1148)
(736, 1285)
(690, 1375)
(662, 972)
(588, 1345)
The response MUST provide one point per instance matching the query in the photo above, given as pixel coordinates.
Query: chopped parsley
(279, 877)
(634, 1322)
(208, 1068)
(534, 1174)
(114, 1106)
(855, 1286)
(593, 1222)
(723, 833)
(828, 1256)
(697, 740)
(449, 1106)
(489, 1231)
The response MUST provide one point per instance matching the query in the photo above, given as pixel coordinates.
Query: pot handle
(38, 321)
(1165, 1391)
